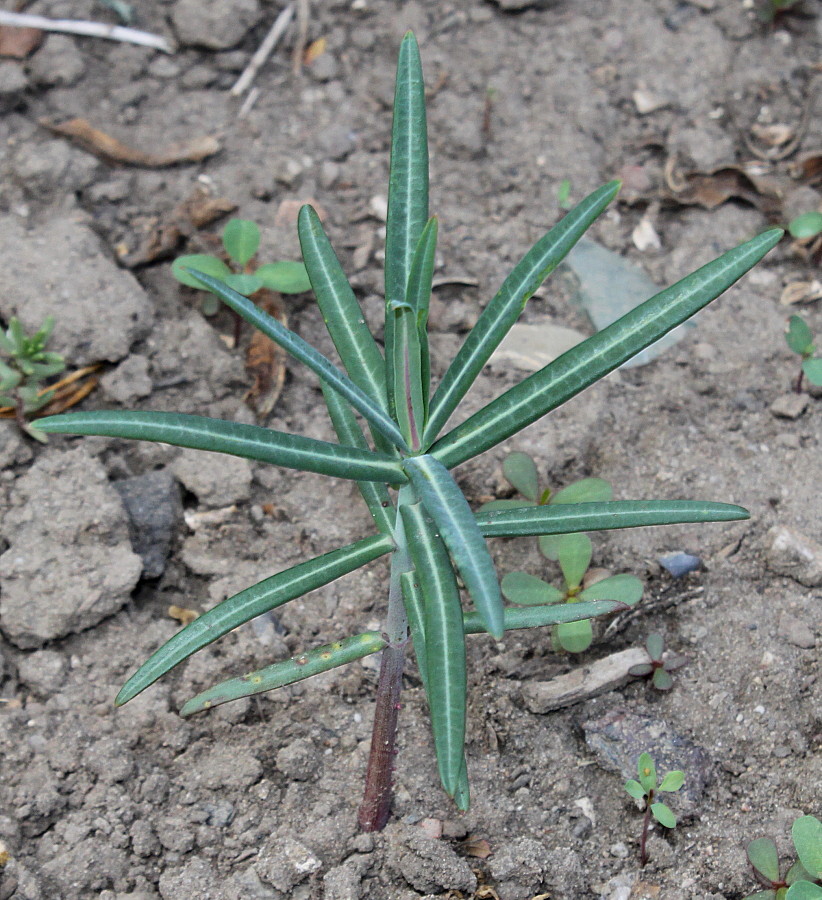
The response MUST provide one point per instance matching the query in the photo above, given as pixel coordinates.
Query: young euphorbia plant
(421, 516)
(801, 881)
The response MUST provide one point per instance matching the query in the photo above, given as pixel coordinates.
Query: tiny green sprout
(659, 665)
(241, 240)
(806, 226)
(801, 881)
(564, 194)
(799, 338)
(24, 369)
(572, 551)
(394, 442)
(645, 790)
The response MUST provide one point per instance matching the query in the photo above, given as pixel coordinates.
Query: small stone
(647, 101)
(788, 552)
(129, 381)
(163, 67)
(13, 83)
(324, 68)
(43, 671)
(790, 406)
(174, 834)
(284, 862)
(679, 563)
(518, 867)
(619, 850)
(428, 866)
(214, 478)
(154, 508)
(196, 879)
(198, 77)
(58, 63)
(796, 632)
(225, 768)
(214, 24)
(298, 760)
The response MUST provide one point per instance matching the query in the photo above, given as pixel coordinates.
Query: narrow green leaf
(625, 588)
(241, 239)
(574, 554)
(673, 781)
(663, 815)
(375, 493)
(764, 858)
(538, 616)
(497, 505)
(506, 306)
(407, 366)
(341, 312)
(415, 613)
(807, 838)
(601, 353)
(305, 353)
(567, 518)
(798, 336)
(448, 507)
(586, 490)
(646, 770)
(250, 603)
(575, 637)
(520, 471)
(444, 639)
(284, 276)
(202, 262)
(462, 797)
(528, 590)
(418, 297)
(288, 671)
(248, 441)
(635, 789)
(407, 187)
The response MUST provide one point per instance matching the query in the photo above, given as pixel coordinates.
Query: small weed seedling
(659, 667)
(645, 790)
(801, 881)
(241, 240)
(800, 340)
(26, 365)
(806, 226)
(421, 516)
(572, 551)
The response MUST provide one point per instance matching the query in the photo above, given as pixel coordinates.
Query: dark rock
(153, 504)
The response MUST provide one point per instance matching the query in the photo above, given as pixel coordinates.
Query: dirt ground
(259, 799)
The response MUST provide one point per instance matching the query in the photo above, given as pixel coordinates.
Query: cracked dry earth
(100, 537)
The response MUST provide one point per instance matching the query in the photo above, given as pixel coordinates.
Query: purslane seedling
(421, 516)
(646, 790)
(241, 240)
(659, 665)
(802, 880)
(24, 366)
(800, 339)
(572, 551)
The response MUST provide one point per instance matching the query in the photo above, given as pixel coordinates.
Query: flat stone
(796, 632)
(214, 478)
(13, 83)
(284, 862)
(529, 346)
(69, 564)
(790, 406)
(214, 24)
(788, 552)
(100, 310)
(130, 381)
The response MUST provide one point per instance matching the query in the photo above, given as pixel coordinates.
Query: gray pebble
(58, 62)
(214, 24)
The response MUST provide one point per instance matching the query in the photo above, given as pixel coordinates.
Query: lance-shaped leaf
(408, 399)
(341, 312)
(600, 354)
(288, 671)
(449, 509)
(375, 493)
(505, 307)
(250, 603)
(537, 616)
(444, 639)
(305, 353)
(418, 297)
(219, 436)
(407, 186)
(566, 518)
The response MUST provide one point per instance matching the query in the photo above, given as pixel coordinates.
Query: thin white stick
(282, 22)
(88, 29)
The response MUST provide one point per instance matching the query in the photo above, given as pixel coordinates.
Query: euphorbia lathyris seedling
(422, 518)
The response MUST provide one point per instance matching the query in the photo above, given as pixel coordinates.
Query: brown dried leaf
(182, 615)
(808, 168)
(711, 189)
(18, 43)
(314, 50)
(775, 135)
(265, 361)
(476, 847)
(289, 209)
(801, 292)
(109, 149)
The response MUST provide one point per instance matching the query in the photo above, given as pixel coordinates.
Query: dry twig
(87, 29)
(282, 22)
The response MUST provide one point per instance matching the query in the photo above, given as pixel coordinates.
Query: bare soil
(259, 799)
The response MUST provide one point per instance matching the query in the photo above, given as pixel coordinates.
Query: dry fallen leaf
(265, 361)
(773, 135)
(109, 149)
(314, 50)
(182, 615)
(711, 189)
(808, 168)
(18, 43)
(477, 847)
(801, 292)
(68, 392)
(288, 211)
